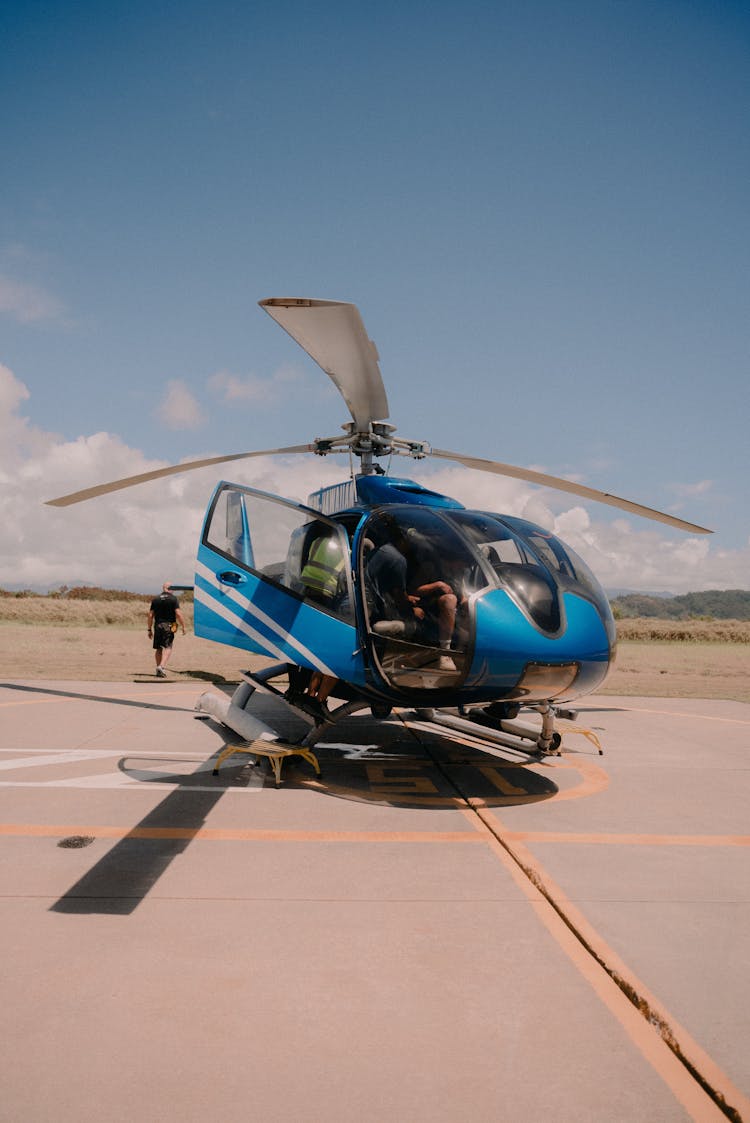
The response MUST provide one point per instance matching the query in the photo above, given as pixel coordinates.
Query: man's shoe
(445, 663)
(160, 672)
(389, 628)
(311, 706)
(315, 708)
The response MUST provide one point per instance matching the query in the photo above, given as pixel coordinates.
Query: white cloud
(625, 553)
(701, 487)
(28, 304)
(179, 409)
(137, 538)
(12, 393)
(254, 390)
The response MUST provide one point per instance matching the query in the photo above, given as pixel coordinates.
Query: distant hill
(713, 604)
(92, 593)
(716, 604)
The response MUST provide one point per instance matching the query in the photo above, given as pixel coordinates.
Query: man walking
(163, 617)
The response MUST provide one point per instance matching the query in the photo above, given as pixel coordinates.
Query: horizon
(67, 587)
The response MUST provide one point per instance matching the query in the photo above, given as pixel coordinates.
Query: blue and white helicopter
(381, 593)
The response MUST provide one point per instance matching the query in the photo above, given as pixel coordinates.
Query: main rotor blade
(566, 485)
(334, 335)
(160, 473)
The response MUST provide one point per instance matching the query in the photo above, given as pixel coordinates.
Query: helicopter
(382, 593)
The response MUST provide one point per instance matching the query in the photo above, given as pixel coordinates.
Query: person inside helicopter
(322, 578)
(415, 593)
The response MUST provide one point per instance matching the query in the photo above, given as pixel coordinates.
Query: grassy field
(59, 638)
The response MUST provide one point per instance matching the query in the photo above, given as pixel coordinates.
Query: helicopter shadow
(361, 760)
(396, 762)
(124, 876)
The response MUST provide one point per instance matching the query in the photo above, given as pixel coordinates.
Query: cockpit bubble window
(570, 569)
(509, 562)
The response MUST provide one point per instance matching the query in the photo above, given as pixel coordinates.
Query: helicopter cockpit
(422, 570)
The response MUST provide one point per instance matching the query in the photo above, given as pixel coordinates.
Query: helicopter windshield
(570, 570)
(508, 561)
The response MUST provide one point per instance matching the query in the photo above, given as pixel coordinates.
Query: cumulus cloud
(28, 304)
(684, 492)
(137, 538)
(254, 390)
(624, 553)
(179, 409)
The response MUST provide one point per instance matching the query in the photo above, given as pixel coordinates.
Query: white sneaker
(445, 663)
(389, 628)
(160, 672)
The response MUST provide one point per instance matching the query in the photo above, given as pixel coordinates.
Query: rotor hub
(373, 443)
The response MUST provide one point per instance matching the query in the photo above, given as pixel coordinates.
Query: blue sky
(541, 210)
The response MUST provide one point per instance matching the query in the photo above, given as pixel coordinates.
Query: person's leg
(447, 604)
(166, 651)
(325, 687)
(314, 684)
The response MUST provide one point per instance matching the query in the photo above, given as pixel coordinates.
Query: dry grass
(684, 631)
(59, 638)
(66, 613)
(681, 670)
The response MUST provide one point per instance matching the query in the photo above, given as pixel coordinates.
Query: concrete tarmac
(429, 931)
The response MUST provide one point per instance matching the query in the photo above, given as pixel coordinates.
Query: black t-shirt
(386, 571)
(164, 608)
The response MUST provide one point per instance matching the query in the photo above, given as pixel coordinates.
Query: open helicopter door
(274, 577)
(417, 578)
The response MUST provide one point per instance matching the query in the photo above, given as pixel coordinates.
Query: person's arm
(180, 619)
(407, 605)
(434, 589)
(150, 621)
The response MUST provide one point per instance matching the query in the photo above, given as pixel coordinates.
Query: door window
(285, 543)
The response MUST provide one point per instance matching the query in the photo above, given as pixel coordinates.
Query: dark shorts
(163, 635)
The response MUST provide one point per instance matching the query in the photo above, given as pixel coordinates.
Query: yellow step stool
(275, 751)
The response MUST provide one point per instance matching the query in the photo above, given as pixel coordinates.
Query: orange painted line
(643, 1033)
(631, 839)
(595, 779)
(690, 717)
(206, 834)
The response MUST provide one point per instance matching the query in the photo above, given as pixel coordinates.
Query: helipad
(426, 932)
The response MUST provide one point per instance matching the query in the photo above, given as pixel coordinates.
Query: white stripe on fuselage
(262, 617)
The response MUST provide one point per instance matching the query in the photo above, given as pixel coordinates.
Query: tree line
(713, 604)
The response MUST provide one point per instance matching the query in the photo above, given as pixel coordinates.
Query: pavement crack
(641, 1004)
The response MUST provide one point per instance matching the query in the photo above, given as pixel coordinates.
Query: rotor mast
(371, 444)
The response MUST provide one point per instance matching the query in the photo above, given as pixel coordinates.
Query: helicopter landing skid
(510, 734)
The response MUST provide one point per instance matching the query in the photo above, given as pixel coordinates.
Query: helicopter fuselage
(402, 594)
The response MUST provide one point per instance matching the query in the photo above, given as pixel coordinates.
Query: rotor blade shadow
(120, 880)
(108, 698)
